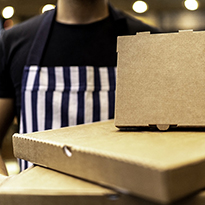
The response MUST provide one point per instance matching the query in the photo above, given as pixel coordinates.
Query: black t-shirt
(91, 44)
(80, 45)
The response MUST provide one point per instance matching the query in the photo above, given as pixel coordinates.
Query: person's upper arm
(6, 94)
(6, 85)
(6, 115)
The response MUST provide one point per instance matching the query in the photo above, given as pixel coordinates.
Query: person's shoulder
(24, 29)
(133, 24)
(136, 25)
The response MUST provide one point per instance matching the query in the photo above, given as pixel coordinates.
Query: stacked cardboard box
(38, 185)
(160, 81)
(158, 166)
(41, 186)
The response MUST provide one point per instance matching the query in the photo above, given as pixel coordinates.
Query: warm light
(140, 6)
(8, 12)
(47, 7)
(191, 4)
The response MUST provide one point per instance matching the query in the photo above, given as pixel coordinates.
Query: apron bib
(59, 96)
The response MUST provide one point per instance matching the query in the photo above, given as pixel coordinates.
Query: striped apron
(59, 96)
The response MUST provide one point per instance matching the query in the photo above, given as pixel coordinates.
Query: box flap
(147, 164)
(160, 80)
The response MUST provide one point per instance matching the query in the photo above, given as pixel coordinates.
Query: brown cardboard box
(41, 186)
(160, 80)
(158, 166)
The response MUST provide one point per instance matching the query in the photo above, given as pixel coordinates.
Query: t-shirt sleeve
(6, 85)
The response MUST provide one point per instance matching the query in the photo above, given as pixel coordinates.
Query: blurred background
(169, 15)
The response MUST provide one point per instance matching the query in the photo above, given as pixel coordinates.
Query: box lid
(160, 80)
(161, 166)
(40, 186)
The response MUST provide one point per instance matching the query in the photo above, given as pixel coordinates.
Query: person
(58, 69)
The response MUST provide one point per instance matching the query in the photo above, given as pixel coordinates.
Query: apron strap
(38, 45)
(37, 48)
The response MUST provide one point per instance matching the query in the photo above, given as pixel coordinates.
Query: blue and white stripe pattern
(54, 97)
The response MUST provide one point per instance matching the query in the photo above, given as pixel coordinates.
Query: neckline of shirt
(96, 23)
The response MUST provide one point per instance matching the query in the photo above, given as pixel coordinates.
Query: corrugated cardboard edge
(83, 161)
(5, 188)
(22, 194)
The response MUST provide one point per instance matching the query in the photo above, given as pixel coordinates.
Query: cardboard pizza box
(160, 80)
(38, 185)
(41, 186)
(157, 166)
